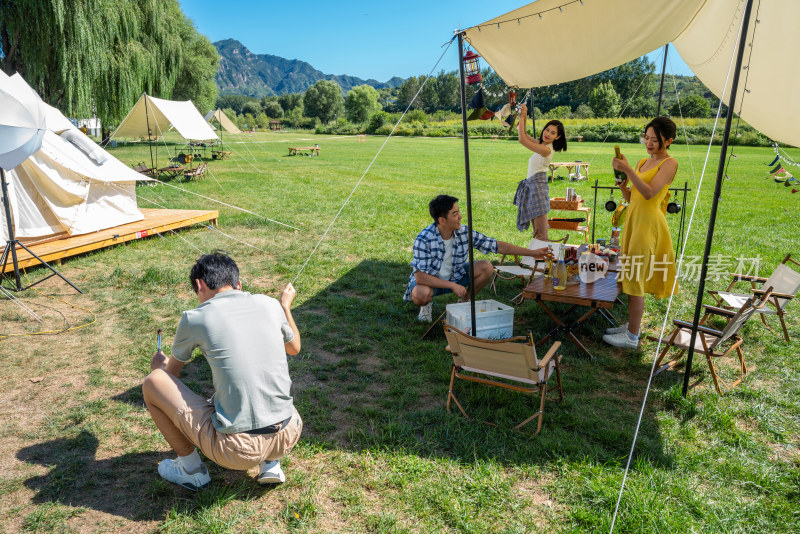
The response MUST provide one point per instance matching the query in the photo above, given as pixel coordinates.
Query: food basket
(560, 203)
(565, 224)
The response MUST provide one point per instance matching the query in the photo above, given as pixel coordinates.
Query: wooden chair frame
(712, 342)
(527, 276)
(196, 173)
(512, 359)
(777, 303)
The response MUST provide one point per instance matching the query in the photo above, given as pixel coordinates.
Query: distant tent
(70, 186)
(223, 121)
(152, 116)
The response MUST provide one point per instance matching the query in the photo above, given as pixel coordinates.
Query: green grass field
(379, 453)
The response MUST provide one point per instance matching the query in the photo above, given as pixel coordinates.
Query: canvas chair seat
(737, 300)
(513, 360)
(713, 344)
(785, 284)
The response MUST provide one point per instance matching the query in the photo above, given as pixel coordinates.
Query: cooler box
(495, 320)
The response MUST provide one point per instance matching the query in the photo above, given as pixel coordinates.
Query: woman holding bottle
(648, 261)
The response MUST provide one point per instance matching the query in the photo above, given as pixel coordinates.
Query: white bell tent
(152, 116)
(553, 41)
(69, 186)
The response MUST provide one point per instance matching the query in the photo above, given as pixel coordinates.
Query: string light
(519, 19)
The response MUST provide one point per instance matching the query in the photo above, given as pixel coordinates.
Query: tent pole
(11, 243)
(474, 324)
(149, 141)
(717, 193)
(11, 247)
(661, 87)
(533, 115)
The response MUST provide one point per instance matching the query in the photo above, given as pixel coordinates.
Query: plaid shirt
(429, 253)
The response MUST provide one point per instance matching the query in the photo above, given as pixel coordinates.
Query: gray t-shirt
(242, 337)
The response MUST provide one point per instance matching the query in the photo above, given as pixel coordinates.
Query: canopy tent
(152, 116)
(223, 121)
(596, 36)
(709, 34)
(70, 185)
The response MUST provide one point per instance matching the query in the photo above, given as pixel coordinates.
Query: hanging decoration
(472, 68)
(479, 111)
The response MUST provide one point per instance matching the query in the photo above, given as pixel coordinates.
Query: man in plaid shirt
(441, 257)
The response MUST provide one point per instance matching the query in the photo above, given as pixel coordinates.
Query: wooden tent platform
(155, 221)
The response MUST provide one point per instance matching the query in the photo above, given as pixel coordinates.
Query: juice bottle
(560, 272)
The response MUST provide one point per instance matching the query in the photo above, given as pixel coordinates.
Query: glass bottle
(560, 272)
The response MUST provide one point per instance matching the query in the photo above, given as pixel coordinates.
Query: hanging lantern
(471, 68)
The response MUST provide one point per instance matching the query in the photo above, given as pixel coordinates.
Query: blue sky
(365, 39)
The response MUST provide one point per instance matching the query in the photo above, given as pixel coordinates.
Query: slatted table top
(600, 294)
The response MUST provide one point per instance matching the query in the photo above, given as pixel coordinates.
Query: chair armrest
(747, 278)
(716, 310)
(773, 294)
(704, 329)
(550, 354)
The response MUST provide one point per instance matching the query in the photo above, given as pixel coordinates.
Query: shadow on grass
(365, 380)
(120, 485)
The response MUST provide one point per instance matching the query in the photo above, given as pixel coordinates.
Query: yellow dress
(649, 261)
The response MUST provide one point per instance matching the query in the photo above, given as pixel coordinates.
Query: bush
(559, 112)
(415, 115)
(376, 121)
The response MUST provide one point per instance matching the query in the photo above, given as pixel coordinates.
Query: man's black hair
(559, 144)
(441, 206)
(216, 270)
(664, 129)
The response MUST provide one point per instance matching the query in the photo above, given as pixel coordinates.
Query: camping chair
(524, 268)
(711, 342)
(197, 173)
(142, 168)
(485, 361)
(785, 283)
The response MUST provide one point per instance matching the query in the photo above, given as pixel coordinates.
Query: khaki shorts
(240, 451)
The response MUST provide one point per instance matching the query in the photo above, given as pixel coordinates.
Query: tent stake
(474, 324)
(717, 193)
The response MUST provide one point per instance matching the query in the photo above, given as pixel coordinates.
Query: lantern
(472, 68)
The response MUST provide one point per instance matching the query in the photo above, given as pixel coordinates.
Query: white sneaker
(620, 340)
(618, 329)
(271, 473)
(426, 313)
(174, 471)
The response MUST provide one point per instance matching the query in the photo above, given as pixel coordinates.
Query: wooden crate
(563, 225)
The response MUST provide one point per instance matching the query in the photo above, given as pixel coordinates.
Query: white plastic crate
(495, 320)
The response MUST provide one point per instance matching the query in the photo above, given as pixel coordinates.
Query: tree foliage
(86, 56)
(691, 106)
(195, 80)
(361, 102)
(604, 100)
(323, 100)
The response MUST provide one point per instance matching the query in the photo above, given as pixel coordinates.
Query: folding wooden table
(598, 296)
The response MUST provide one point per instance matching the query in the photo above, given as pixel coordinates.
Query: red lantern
(472, 68)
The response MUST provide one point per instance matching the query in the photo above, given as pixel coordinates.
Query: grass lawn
(379, 453)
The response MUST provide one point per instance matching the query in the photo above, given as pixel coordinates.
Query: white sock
(632, 336)
(192, 462)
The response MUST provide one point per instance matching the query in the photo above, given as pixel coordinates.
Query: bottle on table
(560, 272)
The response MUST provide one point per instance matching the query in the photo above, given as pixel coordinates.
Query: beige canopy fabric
(223, 121)
(160, 115)
(554, 41)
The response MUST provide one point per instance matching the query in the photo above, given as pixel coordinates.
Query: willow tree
(86, 56)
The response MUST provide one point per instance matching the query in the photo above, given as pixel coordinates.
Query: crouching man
(441, 257)
(244, 338)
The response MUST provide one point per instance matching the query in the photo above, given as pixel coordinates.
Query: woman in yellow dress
(648, 259)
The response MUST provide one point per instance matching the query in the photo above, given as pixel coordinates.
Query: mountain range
(242, 72)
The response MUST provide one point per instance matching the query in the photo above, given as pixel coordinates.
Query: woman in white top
(533, 194)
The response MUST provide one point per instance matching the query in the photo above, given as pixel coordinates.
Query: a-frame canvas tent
(70, 186)
(223, 121)
(152, 116)
(711, 36)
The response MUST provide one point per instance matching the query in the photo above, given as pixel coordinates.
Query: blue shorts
(443, 291)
